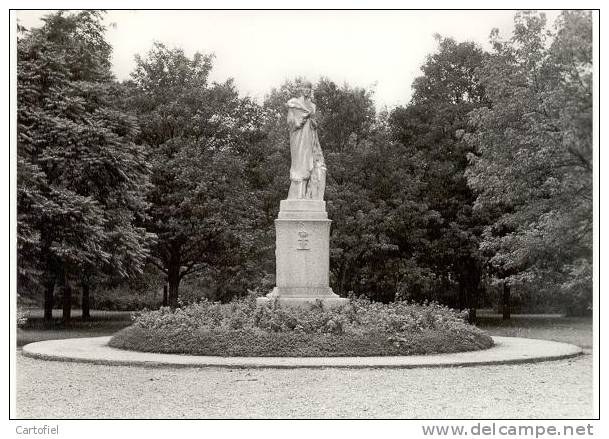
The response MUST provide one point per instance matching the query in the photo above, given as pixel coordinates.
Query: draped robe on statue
(302, 228)
(301, 138)
(308, 164)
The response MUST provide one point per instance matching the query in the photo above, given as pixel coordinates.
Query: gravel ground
(554, 389)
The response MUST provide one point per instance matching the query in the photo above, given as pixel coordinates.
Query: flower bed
(360, 328)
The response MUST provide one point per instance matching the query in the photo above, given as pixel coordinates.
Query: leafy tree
(533, 155)
(79, 172)
(347, 114)
(202, 207)
(380, 221)
(432, 126)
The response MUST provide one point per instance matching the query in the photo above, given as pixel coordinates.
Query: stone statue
(308, 169)
(302, 227)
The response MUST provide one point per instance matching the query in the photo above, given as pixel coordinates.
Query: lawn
(101, 323)
(574, 330)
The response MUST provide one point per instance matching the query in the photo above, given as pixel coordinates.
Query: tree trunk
(342, 279)
(174, 284)
(472, 316)
(50, 280)
(85, 302)
(49, 298)
(462, 296)
(507, 311)
(469, 289)
(472, 306)
(67, 300)
(165, 294)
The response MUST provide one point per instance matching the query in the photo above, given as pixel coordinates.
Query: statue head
(306, 89)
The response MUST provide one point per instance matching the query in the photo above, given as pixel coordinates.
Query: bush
(361, 328)
(22, 317)
(123, 298)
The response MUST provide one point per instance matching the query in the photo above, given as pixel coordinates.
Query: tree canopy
(433, 126)
(483, 179)
(80, 172)
(196, 134)
(532, 159)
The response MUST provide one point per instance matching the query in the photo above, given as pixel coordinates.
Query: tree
(432, 126)
(202, 207)
(533, 155)
(380, 221)
(79, 172)
(347, 114)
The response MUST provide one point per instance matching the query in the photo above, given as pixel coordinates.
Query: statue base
(303, 297)
(303, 255)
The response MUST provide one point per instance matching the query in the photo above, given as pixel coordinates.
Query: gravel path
(96, 350)
(554, 389)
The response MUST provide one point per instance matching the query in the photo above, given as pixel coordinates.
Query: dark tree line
(482, 180)
(80, 173)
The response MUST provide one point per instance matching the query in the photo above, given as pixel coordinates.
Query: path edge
(361, 363)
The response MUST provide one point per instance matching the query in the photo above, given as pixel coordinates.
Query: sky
(383, 50)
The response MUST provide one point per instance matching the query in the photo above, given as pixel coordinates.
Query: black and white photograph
(305, 214)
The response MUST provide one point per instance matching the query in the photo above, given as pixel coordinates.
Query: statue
(302, 227)
(308, 169)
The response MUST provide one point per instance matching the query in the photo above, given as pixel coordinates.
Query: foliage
(80, 174)
(532, 164)
(347, 115)
(144, 291)
(123, 298)
(380, 220)
(359, 328)
(431, 129)
(196, 135)
(485, 174)
(22, 316)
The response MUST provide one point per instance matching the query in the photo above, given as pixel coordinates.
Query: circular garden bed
(244, 329)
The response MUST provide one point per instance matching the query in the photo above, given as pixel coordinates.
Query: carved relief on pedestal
(303, 241)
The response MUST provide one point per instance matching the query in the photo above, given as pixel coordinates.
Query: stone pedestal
(303, 255)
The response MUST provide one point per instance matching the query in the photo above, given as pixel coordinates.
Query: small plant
(358, 328)
(22, 317)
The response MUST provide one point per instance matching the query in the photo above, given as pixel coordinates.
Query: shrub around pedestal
(360, 328)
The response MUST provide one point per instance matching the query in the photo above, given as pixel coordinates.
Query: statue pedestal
(303, 255)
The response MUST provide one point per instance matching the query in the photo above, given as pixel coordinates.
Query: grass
(102, 323)
(574, 330)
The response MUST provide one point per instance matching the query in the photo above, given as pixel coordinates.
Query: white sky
(261, 49)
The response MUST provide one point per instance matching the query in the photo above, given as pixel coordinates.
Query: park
(187, 250)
